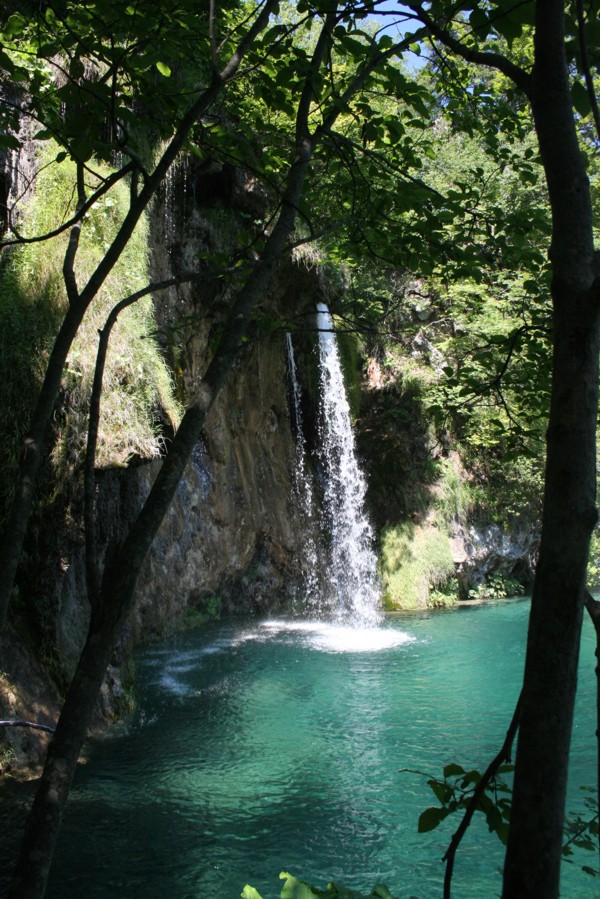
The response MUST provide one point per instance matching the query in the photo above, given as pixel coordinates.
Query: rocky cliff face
(481, 554)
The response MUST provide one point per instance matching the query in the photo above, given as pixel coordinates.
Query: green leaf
(9, 142)
(381, 891)
(14, 26)
(250, 893)
(163, 68)
(581, 99)
(479, 22)
(452, 770)
(508, 28)
(471, 777)
(295, 889)
(502, 831)
(430, 818)
(82, 149)
(441, 790)
(589, 870)
(385, 42)
(77, 69)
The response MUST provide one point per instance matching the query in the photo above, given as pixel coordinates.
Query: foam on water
(331, 637)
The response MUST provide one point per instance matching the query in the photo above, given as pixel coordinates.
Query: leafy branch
(469, 790)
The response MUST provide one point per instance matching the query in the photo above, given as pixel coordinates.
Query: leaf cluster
(96, 75)
(582, 831)
(455, 791)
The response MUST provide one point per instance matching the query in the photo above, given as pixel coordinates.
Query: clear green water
(261, 748)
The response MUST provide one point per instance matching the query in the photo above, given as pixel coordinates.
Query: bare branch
(21, 723)
(73, 244)
(80, 213)
(91, 559)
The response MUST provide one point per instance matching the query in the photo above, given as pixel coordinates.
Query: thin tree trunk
(114, 604)
(532, 866)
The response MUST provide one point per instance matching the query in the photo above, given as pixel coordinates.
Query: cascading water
(353, 565)
(304, 492)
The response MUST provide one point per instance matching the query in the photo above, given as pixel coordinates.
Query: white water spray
(353, 570)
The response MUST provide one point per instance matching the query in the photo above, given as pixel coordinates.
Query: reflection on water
(284, 746)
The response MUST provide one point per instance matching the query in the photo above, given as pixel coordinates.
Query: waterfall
(339, 564)
(353, 567)
(304, 493)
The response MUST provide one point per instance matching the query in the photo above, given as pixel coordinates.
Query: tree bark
(532, 866)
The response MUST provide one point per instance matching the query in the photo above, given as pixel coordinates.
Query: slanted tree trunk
(113, 605)
(121, 572)
(533, 856)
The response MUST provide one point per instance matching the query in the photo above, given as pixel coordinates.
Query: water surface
(261, 747)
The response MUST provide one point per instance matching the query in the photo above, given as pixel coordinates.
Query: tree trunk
(121, 573)
(533, 856)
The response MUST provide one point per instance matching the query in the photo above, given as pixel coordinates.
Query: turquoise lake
(267, 746)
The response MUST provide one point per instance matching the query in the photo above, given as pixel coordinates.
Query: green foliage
(446, 595)
(349, 350)
(594, 560)
(294, 888)
(205, 609)
(498, 586)
(110, 59)
(455, 791)
(483, 310)
(27, 324)
(413, 560)
(395, 436)
(456, 495)
(457, 788)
